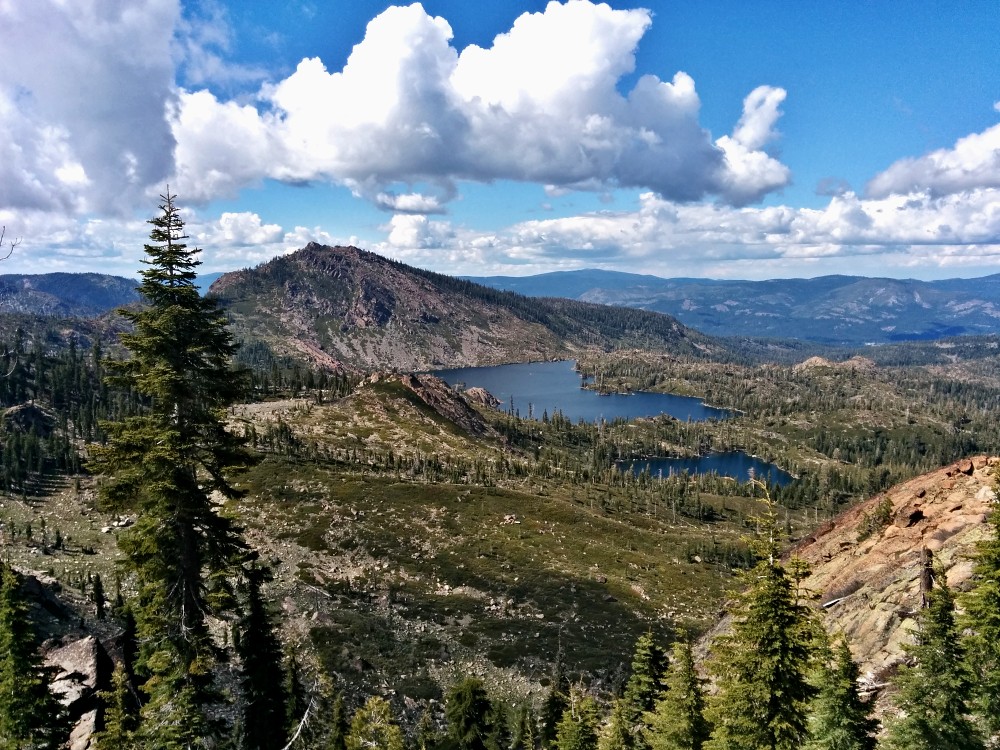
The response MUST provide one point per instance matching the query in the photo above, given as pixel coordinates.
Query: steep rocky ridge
(344, 306)
(438, 396)
(870, 588)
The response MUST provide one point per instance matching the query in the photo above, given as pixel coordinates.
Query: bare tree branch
(305, 719)
(13, 243)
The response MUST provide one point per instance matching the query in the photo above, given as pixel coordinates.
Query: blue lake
(548, 386)
(734, 464)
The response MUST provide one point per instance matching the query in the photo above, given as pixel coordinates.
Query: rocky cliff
(870, 563)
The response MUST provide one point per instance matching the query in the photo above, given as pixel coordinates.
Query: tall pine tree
(338, 726)
(982, 621)
(30, 717)
(577, 730)
(678, 720)
(524, 732)
(119, 713)
(555, 704)
(372, 726)
(468, 711)
(625, 731)
(933, 692)
(262, 705)
(762, 666)
(841, 719)
(165, 465)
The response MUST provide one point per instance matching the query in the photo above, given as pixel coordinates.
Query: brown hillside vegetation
(867, 564)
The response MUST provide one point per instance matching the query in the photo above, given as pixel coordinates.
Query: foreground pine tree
(373, 727)
(626, 729)
(501, 736)
(933, 692)
(762, 667)
(555, 704)
(262, 705)
(982, 621)
(468, 711)
(119, 714)
(620, 731)
(678, 720)
(577, 730)
(30, 717)
(524, 732)
(649, 662)
(164, 465)
(840, 719)
(337, 734)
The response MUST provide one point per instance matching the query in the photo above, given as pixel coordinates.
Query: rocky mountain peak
(364, 311)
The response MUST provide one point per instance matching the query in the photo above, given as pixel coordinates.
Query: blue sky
(721, 139)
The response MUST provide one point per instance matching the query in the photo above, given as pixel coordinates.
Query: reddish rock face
(872, 588)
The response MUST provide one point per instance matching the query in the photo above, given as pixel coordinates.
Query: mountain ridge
(86, 295)
(837, 309)
(343, 306)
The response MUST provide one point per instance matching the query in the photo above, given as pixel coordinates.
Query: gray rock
(77, 667)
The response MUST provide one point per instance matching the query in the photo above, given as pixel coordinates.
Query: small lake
(734, 464)
(548, 386)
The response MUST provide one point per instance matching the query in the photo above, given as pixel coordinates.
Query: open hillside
(418, 534)
(414, 533)
(341, 306)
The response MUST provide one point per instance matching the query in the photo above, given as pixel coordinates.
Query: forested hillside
(68, 294)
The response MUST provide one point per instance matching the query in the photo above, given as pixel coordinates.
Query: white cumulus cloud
(410, 232)
(238, 229)
(752, 172)
(83, 97)
(670, 238)
(973, 162)
(539, 105)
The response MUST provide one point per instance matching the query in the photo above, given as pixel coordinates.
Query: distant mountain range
(344, 306)
(84, 295)
(836, 310)
(205, 280)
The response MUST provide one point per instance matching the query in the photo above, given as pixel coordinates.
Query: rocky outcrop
(81, 669)
(869, 585)
(25, 417)
(440, 397)
(855, 364)
(482, 397)
(73, 653)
